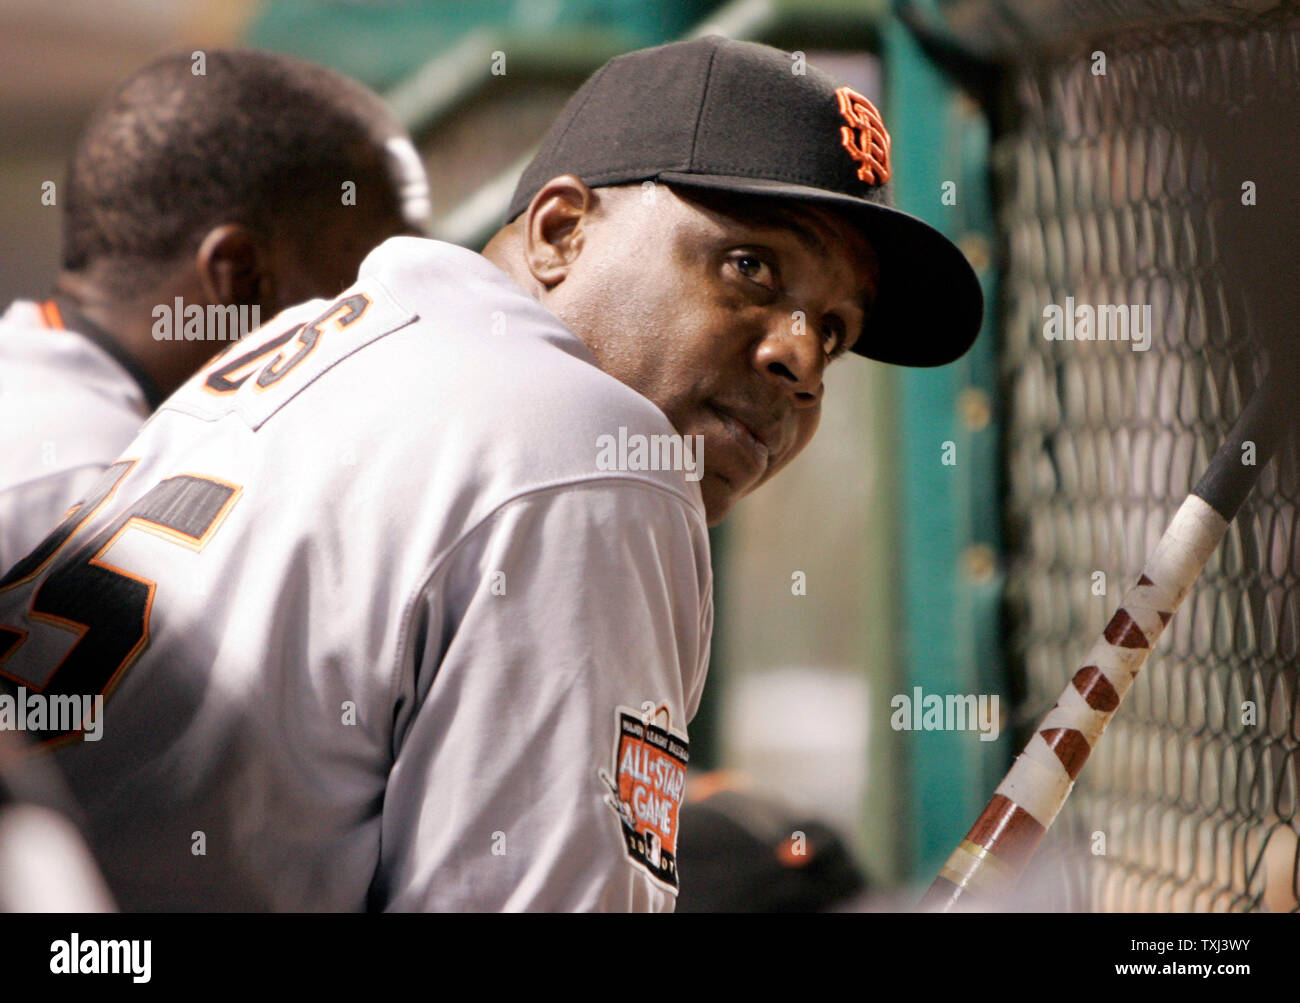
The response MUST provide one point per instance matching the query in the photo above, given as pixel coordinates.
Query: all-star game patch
(646, 788)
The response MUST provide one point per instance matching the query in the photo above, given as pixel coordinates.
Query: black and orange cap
(736, 116)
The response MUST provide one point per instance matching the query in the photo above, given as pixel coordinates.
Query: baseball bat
(987, 864)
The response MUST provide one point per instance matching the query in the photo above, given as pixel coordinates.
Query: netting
(1131, 188)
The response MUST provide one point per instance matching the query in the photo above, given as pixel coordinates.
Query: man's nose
(791, 358)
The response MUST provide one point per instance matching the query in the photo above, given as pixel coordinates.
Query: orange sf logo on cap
(864, 137)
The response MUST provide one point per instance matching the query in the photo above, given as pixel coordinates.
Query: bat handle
(988, 862)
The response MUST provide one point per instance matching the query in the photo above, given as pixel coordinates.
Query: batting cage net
(1150, 163)
(1126, 181)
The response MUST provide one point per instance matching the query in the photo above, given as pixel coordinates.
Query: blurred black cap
(742, 853)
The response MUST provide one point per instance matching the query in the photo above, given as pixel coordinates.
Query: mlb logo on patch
(646, 789)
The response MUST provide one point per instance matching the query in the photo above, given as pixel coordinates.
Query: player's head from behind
(712, 218)
(238, 178)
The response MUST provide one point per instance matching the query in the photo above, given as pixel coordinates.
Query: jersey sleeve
(541, 747)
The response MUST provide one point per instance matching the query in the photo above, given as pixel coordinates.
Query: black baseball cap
(715, 113)
(738, 853)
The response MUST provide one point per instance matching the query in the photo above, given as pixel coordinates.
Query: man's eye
(833, 334)
(755, 269)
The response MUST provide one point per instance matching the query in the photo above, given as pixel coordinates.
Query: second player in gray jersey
(201, 199)
(405, 602)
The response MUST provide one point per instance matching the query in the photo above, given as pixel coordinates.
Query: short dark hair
(259, 138)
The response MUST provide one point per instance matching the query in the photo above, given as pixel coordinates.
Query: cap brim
(930, 306)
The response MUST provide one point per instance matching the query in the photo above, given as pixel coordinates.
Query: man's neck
(506, 251)
(126, 323)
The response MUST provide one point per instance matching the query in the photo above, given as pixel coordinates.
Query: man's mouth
(746, 438)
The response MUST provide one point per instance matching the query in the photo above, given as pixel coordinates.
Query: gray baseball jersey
(378, 625)
(67, 408)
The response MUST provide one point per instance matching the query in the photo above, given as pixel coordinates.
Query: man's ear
(235, 267)
(554, 232)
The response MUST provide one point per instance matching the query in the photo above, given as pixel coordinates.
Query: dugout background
(970, 578)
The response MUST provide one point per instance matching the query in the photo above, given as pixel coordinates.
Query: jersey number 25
(105, 606)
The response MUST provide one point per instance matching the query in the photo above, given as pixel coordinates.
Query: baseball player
(404, 602)
(187, 190)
